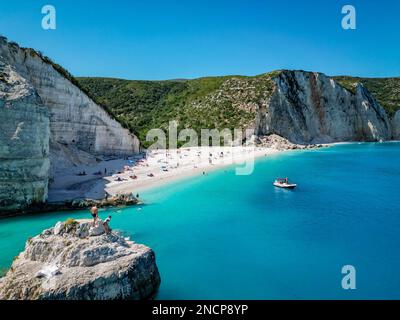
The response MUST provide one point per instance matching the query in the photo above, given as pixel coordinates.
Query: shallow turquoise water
(237, 237)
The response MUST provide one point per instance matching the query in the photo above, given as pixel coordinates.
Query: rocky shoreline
(77, 260)
(279, 143)
(119, 200)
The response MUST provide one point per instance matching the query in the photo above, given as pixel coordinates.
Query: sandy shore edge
(157, 168)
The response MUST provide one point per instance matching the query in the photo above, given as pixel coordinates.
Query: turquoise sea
(223, 236)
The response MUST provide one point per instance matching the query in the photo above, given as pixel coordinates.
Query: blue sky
(157, 39)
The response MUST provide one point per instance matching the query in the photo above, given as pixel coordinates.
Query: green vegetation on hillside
(385, 90)
(212, 103)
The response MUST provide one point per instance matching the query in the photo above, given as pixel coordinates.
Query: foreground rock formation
(47, 123)
(78, 261)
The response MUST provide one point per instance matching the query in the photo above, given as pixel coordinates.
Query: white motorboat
(284, 183)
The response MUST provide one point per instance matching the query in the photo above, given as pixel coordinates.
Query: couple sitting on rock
(95, 216)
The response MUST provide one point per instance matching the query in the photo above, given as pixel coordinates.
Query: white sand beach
(167, 166)
(152, 169)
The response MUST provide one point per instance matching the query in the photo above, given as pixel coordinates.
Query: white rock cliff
(396, 126)
(308, 107)
(49, 115)
(24, 142)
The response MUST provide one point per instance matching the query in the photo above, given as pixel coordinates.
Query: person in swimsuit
(94, 211)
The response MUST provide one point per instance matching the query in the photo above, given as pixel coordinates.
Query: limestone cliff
(47, 117)
(24, 142)
(77, 261)
(74, 118)
(396, 126)
(310, 107)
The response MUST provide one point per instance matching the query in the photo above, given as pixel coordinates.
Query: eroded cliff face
(24, 142)
(74, 118)
(310, 107)
(396, 126)
(45, 116)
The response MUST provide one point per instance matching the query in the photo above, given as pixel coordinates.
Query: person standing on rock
(95, 215)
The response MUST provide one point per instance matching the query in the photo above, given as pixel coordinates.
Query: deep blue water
(224, 236)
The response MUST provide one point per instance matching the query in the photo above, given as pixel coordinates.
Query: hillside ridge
(145, 104)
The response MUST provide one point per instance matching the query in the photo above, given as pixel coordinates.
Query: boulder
(96, 229)
(69, 262)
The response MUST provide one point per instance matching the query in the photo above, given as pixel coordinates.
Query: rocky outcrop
(279, 143)
(77, 261)
(45, 116)
(118, 200)
(310, 107)
(24, 142)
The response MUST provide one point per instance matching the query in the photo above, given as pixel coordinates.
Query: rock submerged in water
(77, 261)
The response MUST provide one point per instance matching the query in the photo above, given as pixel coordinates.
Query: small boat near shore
(284, 183)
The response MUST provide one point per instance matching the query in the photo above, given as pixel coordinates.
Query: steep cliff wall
(312, 108)
(396, 126)
(24, 142)
(52, 119)
(74, 117)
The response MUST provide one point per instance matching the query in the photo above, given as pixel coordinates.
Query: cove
(223, 236)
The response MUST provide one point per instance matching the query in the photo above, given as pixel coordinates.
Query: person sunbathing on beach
(94, 212)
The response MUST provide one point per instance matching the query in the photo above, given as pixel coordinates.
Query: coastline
(295, 218)
(183, 173)
(176, 176)
(73, 191)
(114, 177)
